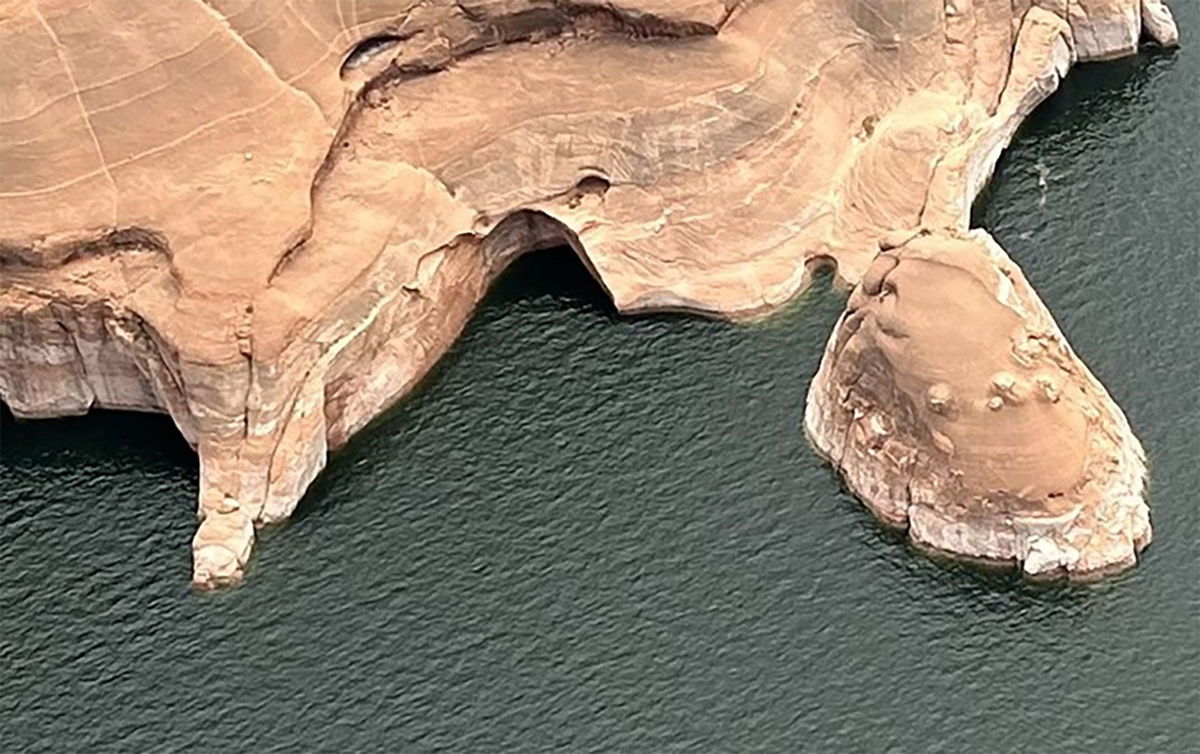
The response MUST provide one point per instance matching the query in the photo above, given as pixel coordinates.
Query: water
(601, 533)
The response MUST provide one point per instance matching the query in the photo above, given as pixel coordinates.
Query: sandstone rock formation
(953, 406)
(269, 218)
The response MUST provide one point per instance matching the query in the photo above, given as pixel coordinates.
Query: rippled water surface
(602, 533)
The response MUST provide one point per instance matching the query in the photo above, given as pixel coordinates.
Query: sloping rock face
(953, 406)
(269, 219)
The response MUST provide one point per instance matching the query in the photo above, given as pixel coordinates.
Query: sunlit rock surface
(270, 219)
(953, 406)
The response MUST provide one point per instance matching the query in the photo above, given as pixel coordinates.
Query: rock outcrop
(953, 406)
(269, 219)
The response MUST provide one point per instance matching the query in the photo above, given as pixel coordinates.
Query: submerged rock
(952, 405)
(270, 219)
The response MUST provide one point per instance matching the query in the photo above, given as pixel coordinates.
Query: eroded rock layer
(953, 406)
(269, 219)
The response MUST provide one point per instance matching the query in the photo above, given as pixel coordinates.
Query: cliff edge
(269, 219)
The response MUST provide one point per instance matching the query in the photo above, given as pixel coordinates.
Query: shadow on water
(554, 277)
(551, 273)
(1097, 92)
(1097, 96)
(124, 437)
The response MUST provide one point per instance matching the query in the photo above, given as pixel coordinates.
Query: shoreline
(264, 397)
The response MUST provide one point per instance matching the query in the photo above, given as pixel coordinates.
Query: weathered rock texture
(953, 406)
(269, 219)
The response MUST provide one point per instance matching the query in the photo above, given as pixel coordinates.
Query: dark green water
(609, 534)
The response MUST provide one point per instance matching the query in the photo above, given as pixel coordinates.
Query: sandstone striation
(269, 219)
